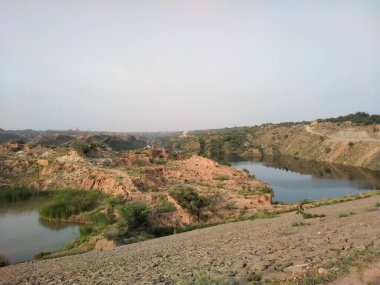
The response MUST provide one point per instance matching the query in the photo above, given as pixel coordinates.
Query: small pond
(293, 180)
(23, 234)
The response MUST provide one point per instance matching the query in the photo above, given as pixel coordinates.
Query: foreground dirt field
(244, 251)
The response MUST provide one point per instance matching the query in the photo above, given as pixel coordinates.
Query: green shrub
(189, 199)
(346, 214)
(312, 216)
(266, 190)
(327, 149)
(222, 178)
(350, 143)
(135, 213)
(71, 202)
(3, 261)
(81, 148)
(166, 207)
(300, 224)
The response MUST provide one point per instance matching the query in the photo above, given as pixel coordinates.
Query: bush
(81, 148)
(300, 224)
(189, 199)
(135, 213)
(350, 143)
(71, 202)
(166, 207)
(327, 149)
(3, 261)
(222, 178)
(346, 214)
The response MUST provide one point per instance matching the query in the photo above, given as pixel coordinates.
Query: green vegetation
(299, 224)
(134, 214)
(346, 214)
(222, 178)
(350, 143)
(81, 148)
(15, 194)
(301, 211)
(71, 202)
(166, 207)
(312, 216)
(359, 118)
(3, 261)
(264, 214)
(357, 258)
(249, 191)
(327, 149)
(189, 199)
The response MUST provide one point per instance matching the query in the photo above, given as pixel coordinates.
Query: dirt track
(247, 250)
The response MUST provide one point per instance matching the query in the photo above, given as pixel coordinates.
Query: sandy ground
(348, 134)
(244, 251)
(369, 276)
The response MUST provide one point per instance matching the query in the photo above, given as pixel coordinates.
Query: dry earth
(345, 132)
(246, 250)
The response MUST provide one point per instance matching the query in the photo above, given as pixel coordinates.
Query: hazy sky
(177, 65)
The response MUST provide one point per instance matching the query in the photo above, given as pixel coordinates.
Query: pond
(23, 234)
(293, 180)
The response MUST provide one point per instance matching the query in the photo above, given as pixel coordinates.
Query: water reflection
(293, 180)
(23, 234)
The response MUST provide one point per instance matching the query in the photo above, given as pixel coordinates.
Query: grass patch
(346, 214)
(222, 178)
(357, 258)
(16, 194)
(71, 202)
(264, 214)
(299, 224)
(347, 198)
(312, 216)
(166, 207)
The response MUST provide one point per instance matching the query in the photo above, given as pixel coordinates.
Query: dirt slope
(247, 250)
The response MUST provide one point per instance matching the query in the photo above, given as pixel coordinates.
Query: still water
(23, 234)
(293, 180)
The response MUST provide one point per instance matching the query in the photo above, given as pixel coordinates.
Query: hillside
(340, 143)
(175, 192)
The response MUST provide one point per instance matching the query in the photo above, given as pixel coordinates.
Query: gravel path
(246, 251)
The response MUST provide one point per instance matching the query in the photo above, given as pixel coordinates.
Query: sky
(180, 65)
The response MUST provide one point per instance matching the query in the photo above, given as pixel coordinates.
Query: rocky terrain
(149, 175)
(244, 252)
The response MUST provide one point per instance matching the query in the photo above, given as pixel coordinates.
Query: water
(23, 234)
(293, 180)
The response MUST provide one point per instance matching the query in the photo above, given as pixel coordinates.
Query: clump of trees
(135, 214)
(189, 199)
(359, 118)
